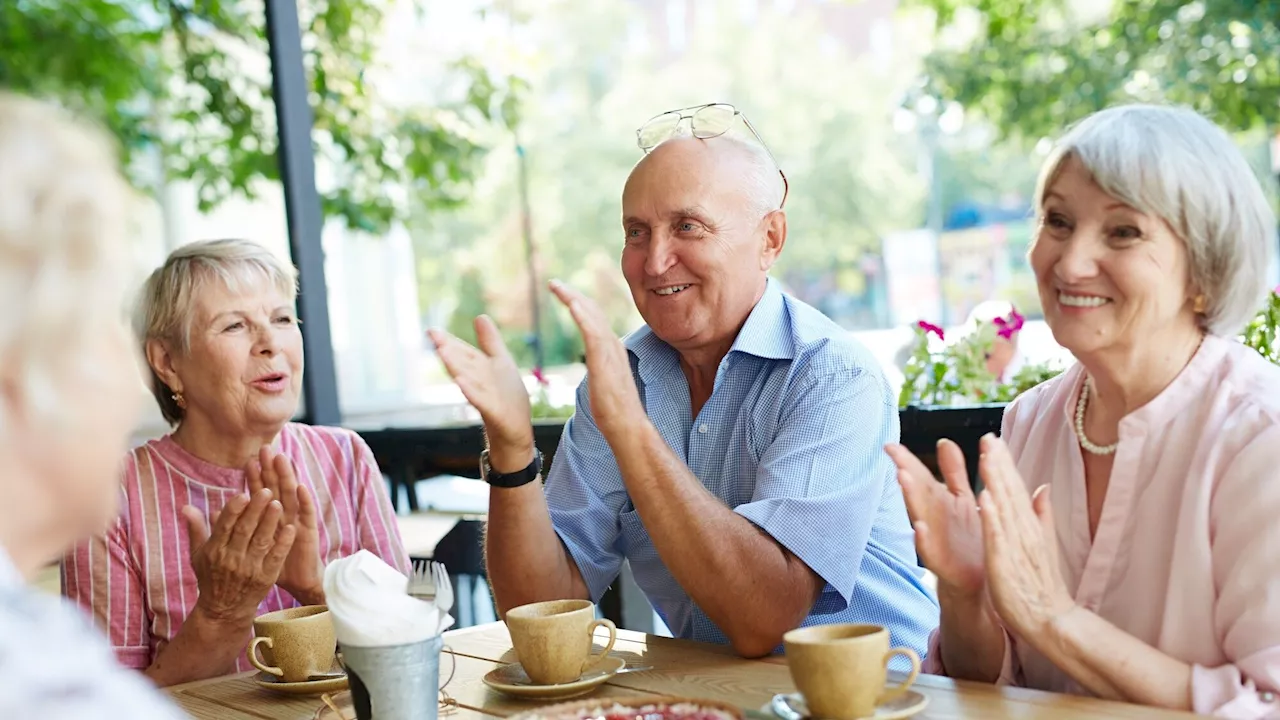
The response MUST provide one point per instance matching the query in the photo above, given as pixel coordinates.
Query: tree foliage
(1034, 66)
(190, 79)
(824, 114)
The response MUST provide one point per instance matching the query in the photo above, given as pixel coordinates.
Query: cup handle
(453, 666)
(253, 656)
(900, 690)
(591, 633)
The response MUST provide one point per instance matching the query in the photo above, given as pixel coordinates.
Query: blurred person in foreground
(1004, 359)
(729, 449)
(1127, 544)
(71, 395)
(201, 547)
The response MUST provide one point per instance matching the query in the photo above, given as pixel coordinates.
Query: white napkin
(370, 605)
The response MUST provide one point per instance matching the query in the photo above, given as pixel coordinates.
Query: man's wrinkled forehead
(680, 177)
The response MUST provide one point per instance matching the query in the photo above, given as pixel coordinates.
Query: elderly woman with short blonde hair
(236, 512)
(70, 396)
(1127, 544)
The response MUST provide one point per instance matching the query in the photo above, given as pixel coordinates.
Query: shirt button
(702, 428)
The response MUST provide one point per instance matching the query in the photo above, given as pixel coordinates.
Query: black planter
(923, 427)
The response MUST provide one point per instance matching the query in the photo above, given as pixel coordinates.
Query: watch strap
(510, 480)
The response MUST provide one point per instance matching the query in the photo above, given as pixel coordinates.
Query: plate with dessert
(655, 709)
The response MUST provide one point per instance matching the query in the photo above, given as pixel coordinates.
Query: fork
(443, 586)
(421, 583)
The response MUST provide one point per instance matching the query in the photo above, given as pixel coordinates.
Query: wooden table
(681, 668)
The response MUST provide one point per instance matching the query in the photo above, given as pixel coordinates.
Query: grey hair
(762, 182)
(1174, 164)
(166, 304)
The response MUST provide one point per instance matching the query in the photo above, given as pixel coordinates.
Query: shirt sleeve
(822, 481)
(99, 575)
(585, 497)
(379, 531)
(1245, 547)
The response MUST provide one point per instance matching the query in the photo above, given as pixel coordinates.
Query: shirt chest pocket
(634, 538)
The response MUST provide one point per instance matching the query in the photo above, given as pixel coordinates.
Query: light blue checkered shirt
(792, 439)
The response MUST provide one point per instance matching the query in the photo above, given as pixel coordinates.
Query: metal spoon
(781, 706)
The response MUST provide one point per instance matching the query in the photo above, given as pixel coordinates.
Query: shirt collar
(1168, 404)
(765, 334)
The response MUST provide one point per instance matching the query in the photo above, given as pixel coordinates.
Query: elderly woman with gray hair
(236, 512)
(70, 397)
(1127, 542)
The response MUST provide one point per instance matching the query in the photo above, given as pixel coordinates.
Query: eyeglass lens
(712, 121)
(658, 129)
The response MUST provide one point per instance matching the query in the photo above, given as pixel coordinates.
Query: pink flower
(1010, 324)
(1277, 290)
(929, 327)
(537, 375)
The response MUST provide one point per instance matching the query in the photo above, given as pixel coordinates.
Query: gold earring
(1198, 305)
(181, 401)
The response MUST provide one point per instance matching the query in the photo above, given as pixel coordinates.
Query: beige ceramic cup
(840, 669)
(553, 639)
(297, 643)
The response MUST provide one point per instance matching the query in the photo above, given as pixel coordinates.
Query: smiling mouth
(1082, 301)
(672, 290)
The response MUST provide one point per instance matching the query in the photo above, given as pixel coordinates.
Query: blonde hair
(63, 244)
(166, 305)
(1174, 164)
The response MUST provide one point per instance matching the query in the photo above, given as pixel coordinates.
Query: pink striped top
(137, 580)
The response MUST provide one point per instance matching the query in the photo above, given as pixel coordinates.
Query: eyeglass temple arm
(786, 186)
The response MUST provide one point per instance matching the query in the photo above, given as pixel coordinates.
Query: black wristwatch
(510, 480)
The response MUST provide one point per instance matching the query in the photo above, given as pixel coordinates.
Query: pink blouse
(1186, 556)
(137, 580)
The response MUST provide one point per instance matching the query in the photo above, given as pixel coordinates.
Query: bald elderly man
(731, 448)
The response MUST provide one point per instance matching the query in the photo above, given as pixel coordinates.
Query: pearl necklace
(1085, 443)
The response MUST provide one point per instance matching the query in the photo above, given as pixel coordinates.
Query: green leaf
(168, 74)
(1034, 68)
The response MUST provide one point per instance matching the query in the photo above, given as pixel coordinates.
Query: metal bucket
(395, 682)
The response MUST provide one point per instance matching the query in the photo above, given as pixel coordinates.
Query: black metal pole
(302, 206)
(527, 228)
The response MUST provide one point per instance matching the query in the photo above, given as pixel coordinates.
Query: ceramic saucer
(306, 687)
(512, 680)
(903, 706)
